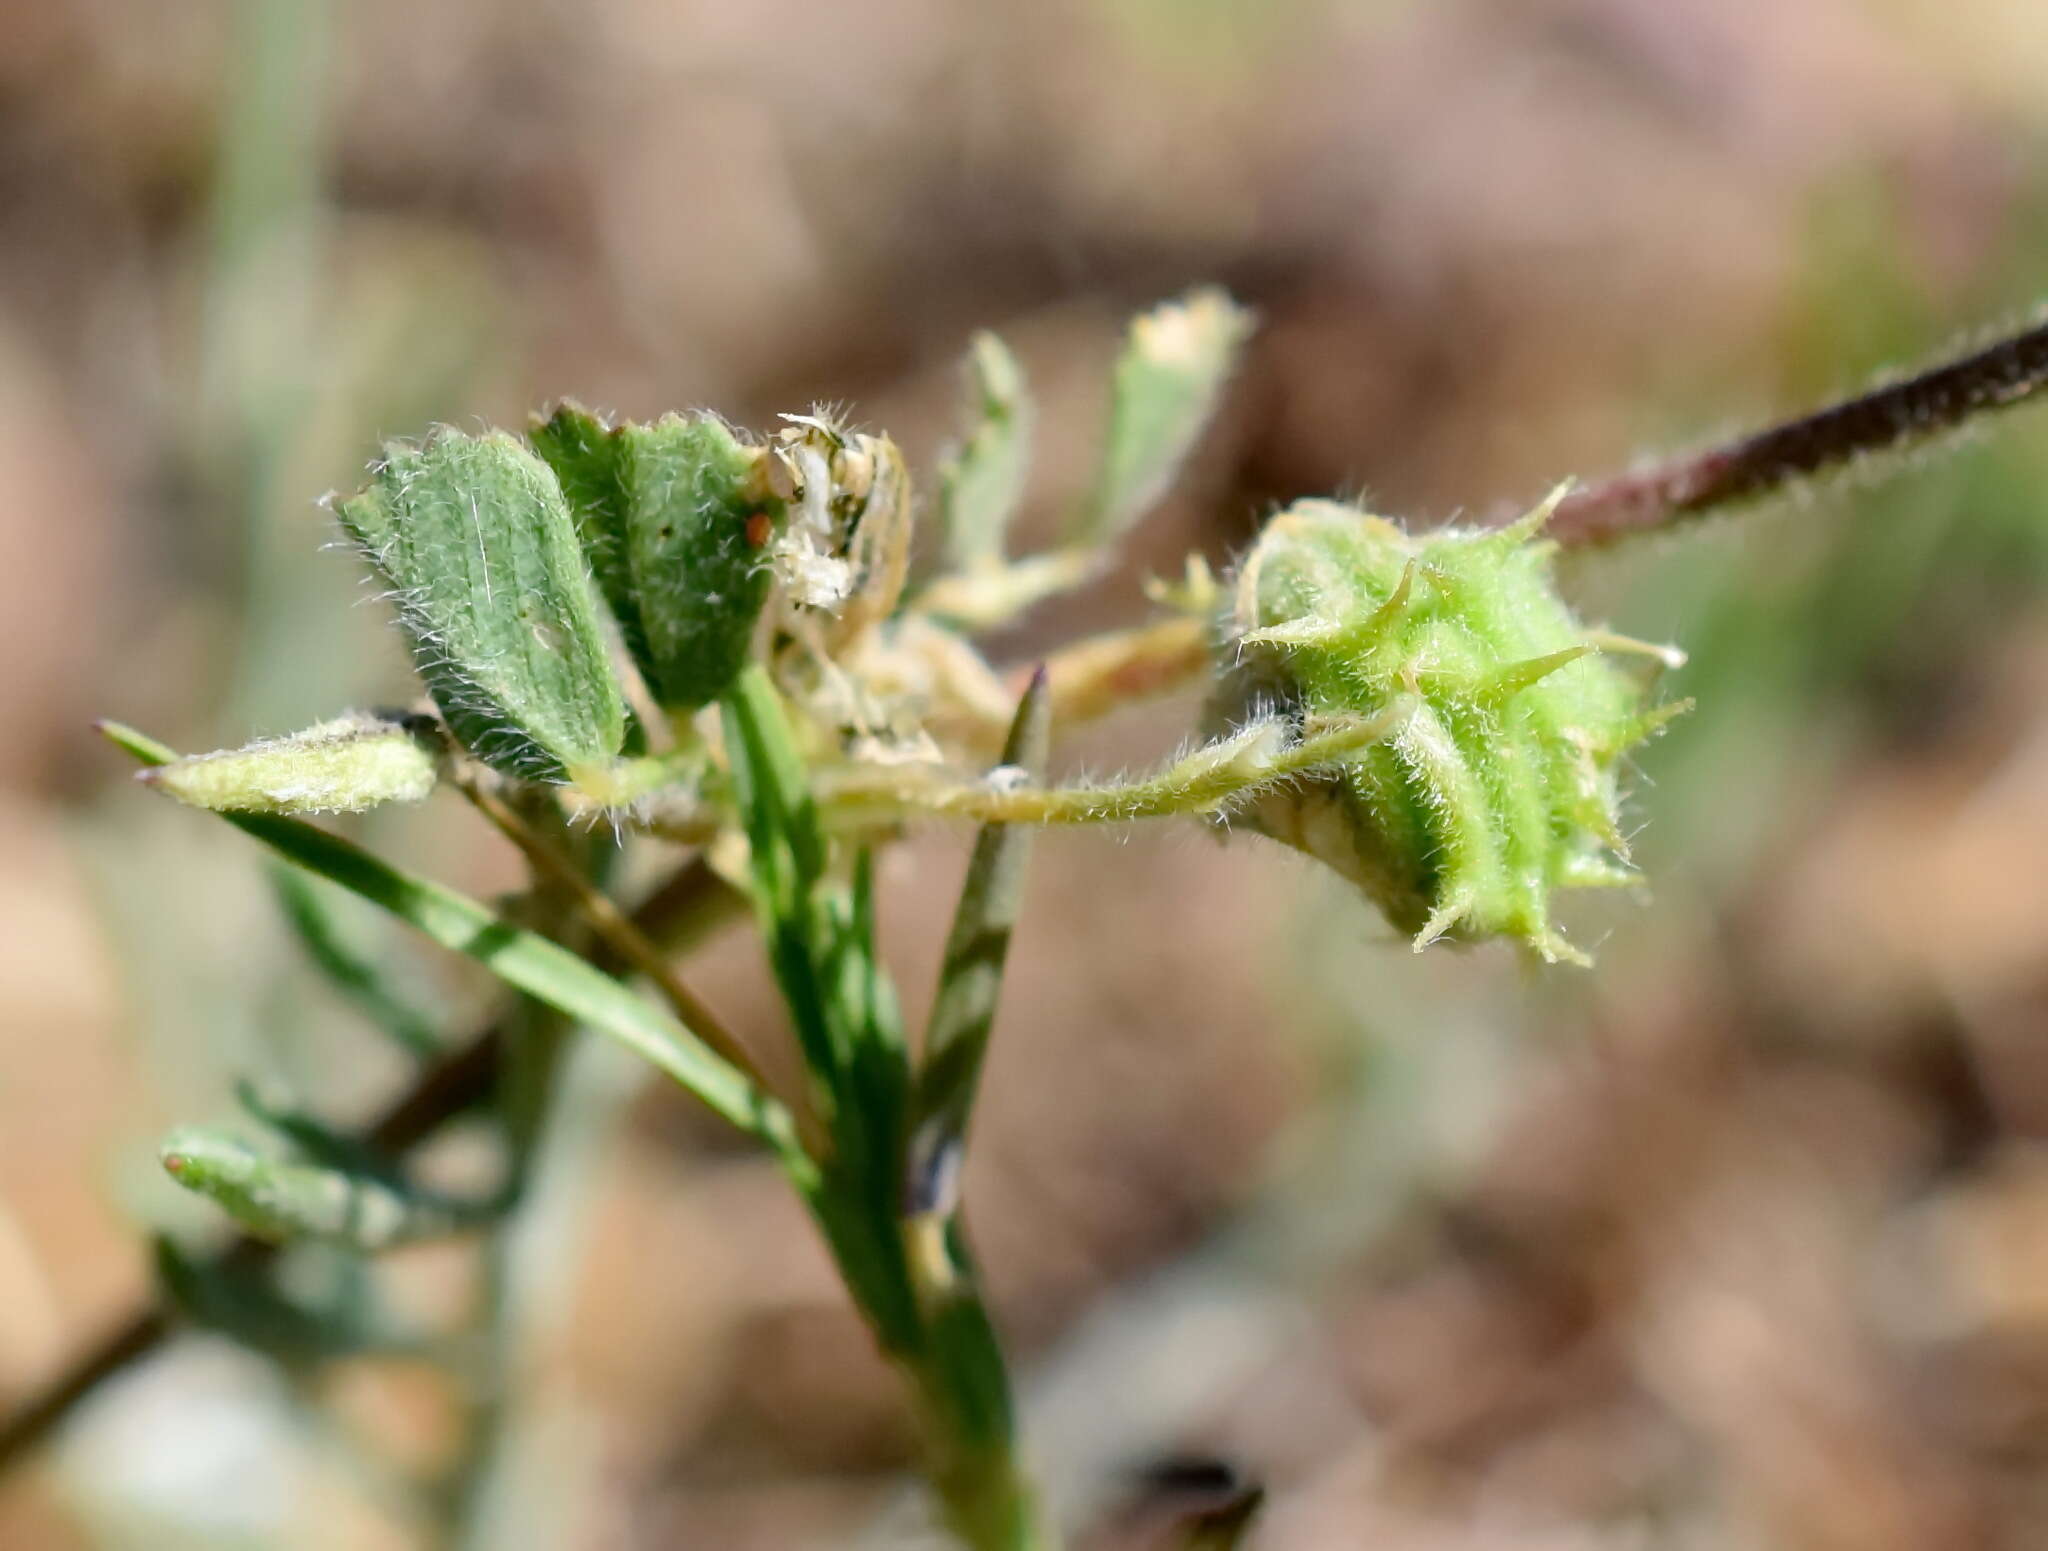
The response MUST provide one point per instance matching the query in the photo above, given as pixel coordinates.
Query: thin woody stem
(1105, 673)
(1885, 419)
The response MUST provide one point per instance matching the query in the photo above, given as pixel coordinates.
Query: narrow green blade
(971, 974)
(350, 972)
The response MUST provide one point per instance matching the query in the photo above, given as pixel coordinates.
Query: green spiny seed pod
(353, 762)
(1500, 785)
(676, 519)
(475, 541)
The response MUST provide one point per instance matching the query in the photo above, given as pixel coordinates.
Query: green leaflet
(587, 458)
(1502, 785)
(475, 541)
(982, 480)
(284, 1202)
(1175, 362)
(675, 522)
(353, 762)
(699, 561)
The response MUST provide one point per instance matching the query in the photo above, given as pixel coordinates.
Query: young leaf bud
(475, 541)
(1502, 784)
(353, 762)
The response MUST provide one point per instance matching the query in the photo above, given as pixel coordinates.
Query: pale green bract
(1175, 363)
(981, 480)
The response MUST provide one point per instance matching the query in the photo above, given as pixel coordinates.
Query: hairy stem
(1895, 416)
(1205, 781)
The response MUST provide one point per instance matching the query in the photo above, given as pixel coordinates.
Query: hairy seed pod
(1500, 786)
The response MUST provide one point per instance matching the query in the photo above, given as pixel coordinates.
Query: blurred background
(1740, 1240)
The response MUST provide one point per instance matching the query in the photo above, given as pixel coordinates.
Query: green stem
(963, 1395)
(915, 1285)
(905, 1264)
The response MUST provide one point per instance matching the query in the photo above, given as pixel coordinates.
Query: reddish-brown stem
(1894, 416)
